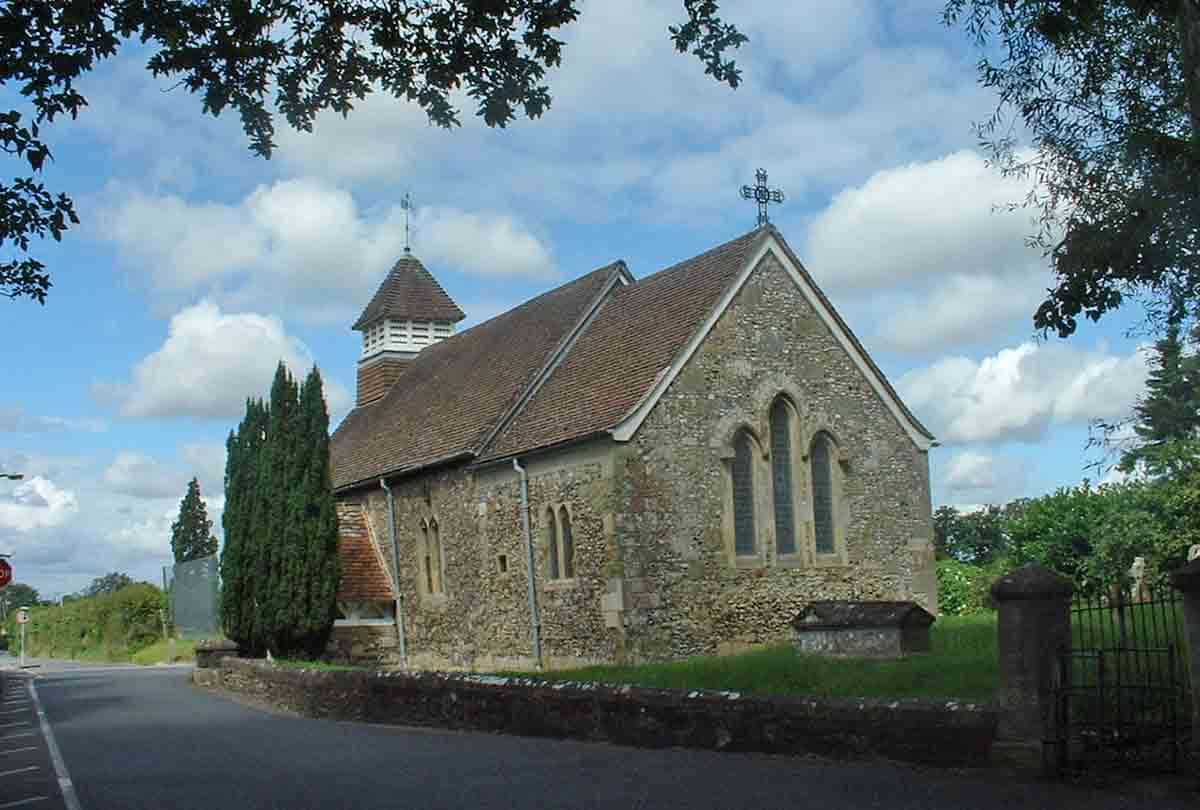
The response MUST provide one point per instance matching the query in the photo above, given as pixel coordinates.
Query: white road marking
(20, 770)
(21, 802)
(19, 750)
(14, 725)
(13, 711)
(60, 767)
(16, 734)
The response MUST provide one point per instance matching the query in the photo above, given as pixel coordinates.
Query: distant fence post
(1034, 625)
(1186, 580)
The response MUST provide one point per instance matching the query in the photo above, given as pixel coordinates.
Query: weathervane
(762, 195)
(406, 205)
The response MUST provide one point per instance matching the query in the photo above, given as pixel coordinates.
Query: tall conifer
(280, 566)
(318, 586)
(1169, 411)
(191, 536)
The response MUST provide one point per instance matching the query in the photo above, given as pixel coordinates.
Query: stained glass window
(822, 483)
(781, 477)
(743, 495)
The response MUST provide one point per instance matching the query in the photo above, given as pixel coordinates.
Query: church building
(620, 469)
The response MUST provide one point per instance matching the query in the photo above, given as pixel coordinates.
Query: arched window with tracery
(743, 494)
(821, 460)
(781, 477)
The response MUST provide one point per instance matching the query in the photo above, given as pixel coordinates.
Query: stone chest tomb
(862, 629)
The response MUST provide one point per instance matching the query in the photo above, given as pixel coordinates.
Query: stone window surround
(426, 526)
(551, 513)
(803, 434)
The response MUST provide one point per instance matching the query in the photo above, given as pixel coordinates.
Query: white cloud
(492, 245)
(1017, 393)
(969, 470)
(960, 311)
(304, 244)
(35, 504)
(206, 461)
(17, 420)
(919, 221)
(209, 364)
(141, 476)
(970, 478)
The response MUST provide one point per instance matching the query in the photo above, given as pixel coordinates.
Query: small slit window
(552, 546)
(567, 542)
(435, 537)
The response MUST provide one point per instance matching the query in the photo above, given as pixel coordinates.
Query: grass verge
(320, 666)
(156, 653)
(964, 665)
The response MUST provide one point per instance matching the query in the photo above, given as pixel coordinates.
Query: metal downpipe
(530, 565)
(396, 575)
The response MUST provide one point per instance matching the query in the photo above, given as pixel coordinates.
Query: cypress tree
(191, 536)
(280, 567)
(321, 571)
(232, 572)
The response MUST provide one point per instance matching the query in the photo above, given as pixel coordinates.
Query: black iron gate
(1122, 702)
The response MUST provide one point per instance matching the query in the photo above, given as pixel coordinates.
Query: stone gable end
(673, 522)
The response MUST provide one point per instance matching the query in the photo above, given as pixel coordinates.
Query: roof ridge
(615, 271)
(524, 305)
(747, 236)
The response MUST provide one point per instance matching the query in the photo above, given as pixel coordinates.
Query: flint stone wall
(928, 732)
(481, 620)
(673, 478)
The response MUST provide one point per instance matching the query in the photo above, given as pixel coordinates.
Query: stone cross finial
(762, 195)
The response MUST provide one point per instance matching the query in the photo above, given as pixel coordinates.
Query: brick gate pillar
(1187, 581)
(1034, 624)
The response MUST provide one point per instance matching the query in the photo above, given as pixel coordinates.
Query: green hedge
(963, 589)
(110, 627)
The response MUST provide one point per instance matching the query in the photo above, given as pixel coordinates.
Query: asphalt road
(145, 738)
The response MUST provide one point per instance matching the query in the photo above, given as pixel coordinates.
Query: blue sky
(198, 266)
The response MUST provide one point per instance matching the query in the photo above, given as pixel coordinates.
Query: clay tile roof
(636, 335)
(409, 292)
(363, 575)
(456, 392)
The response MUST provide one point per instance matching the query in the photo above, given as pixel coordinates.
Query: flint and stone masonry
(655, 574)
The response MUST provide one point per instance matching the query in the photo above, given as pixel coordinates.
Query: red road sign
(5, 573)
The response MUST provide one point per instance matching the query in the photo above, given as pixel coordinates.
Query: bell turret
(409, 312)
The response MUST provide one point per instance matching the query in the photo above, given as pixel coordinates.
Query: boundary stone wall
(943, 733)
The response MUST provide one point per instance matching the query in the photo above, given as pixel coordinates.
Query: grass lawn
(963, 665)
